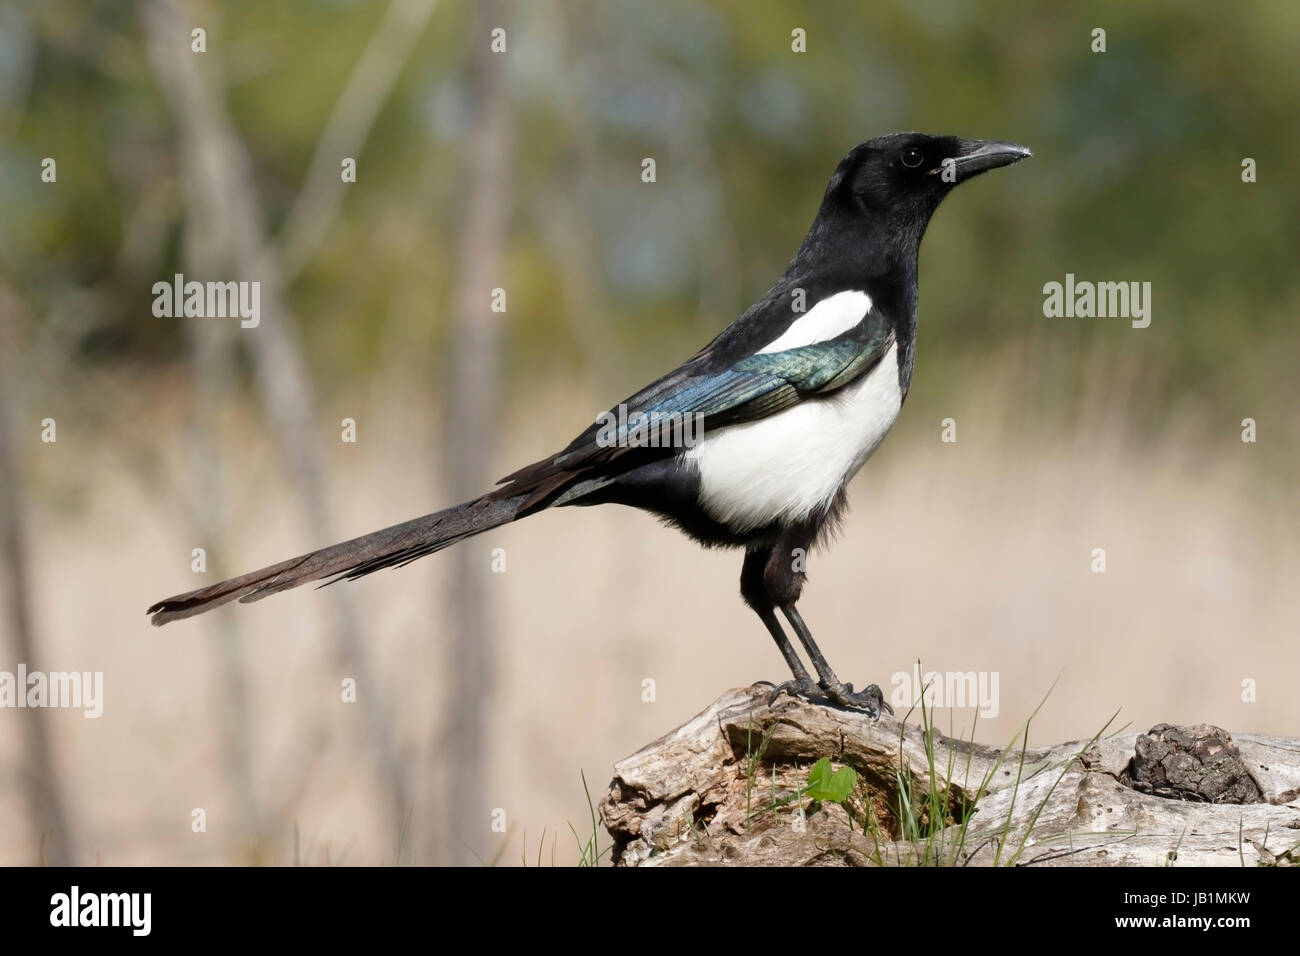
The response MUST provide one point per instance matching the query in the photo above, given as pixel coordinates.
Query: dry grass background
(970, 556)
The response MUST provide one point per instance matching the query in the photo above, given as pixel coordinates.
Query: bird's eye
(912, 158)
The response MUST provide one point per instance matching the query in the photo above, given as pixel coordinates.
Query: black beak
(976, 156)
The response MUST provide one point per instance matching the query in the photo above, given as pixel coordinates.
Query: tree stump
(729, 786)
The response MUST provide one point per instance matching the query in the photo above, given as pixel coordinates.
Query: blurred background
(483, 696)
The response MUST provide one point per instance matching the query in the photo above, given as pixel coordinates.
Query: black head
(894, 183)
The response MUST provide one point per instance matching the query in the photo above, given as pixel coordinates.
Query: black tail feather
(391, 547)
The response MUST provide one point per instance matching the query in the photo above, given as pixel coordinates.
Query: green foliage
(830, 786)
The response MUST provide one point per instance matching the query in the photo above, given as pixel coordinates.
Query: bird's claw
(795, 688)
(869, 700)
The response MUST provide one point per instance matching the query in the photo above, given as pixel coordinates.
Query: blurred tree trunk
(563, 210)
(473, 426)
(219, 188)
(40, 780)
(211, 349)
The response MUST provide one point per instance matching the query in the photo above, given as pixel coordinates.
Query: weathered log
(728, 788)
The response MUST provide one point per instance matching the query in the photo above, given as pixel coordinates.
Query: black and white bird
(788, 403)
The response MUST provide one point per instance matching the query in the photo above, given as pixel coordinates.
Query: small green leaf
(832, 787)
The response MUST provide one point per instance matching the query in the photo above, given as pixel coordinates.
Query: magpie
(790, 400)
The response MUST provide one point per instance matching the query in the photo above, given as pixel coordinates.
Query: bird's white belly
(789, 465)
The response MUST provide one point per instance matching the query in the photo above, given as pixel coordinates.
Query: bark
(723, 789)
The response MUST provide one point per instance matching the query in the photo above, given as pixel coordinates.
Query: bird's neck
(894, 294)
(860, 253)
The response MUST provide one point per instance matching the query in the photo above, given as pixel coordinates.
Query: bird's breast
(788, 465)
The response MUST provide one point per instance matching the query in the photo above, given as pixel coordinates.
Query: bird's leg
(802, 685)
(754, 591)
(870, 700)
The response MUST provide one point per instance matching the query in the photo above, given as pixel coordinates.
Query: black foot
(795, 688)
(870, 700)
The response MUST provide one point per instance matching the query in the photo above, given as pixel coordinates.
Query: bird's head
(894, 183)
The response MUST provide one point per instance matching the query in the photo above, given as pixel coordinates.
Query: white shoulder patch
(830, 317)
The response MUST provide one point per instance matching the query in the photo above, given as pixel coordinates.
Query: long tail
(391, 547)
